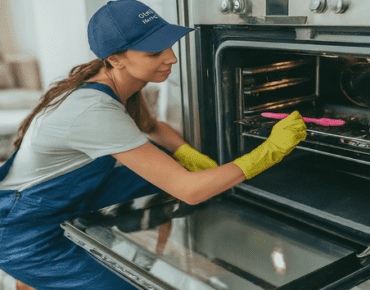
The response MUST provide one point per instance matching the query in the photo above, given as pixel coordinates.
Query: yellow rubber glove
(193, 159)
(285, 135)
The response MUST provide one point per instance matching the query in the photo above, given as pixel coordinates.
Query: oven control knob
(226, 6)
(317, 6)
(239, 6)
(339, 6)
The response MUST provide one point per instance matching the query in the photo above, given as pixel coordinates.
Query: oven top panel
(281, 12)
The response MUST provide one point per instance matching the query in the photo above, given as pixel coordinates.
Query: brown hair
(76, 77)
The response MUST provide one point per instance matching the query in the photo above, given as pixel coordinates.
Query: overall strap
(5, 168)
(100, 87)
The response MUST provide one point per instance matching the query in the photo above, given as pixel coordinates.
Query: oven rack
(279, 104)
(351, 148)
(275, 67)
(265, 87)
(269, 86)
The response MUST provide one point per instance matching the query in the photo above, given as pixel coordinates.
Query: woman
(64, 165)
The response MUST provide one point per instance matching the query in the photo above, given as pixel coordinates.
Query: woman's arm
(194, 187)
(164, 172)
(191, 187)
(166, 137)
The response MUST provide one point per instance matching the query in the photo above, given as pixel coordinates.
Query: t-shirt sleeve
(104, 129)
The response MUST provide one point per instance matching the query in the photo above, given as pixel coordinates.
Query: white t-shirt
(88, 124)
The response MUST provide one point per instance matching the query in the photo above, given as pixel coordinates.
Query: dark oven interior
(318, 87)
(327, 177)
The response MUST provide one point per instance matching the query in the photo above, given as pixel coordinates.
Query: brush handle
(322, 121)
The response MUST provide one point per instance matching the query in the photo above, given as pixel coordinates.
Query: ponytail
(76, 77)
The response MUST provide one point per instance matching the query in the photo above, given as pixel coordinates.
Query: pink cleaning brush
(322, 121)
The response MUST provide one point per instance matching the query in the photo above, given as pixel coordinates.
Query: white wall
(62, 37)
(54, 31)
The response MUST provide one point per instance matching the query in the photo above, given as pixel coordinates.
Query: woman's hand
(193, 160)
(288, 132)
(285, 135)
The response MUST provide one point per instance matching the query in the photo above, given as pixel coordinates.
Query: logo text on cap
(148, 13)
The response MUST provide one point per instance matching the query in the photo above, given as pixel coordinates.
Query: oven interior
(328, 174)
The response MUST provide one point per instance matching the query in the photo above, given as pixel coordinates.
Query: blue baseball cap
(130, 25)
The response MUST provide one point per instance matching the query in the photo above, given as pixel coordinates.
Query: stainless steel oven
(305, 222)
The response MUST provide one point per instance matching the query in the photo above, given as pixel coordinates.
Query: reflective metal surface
(259, 247)
(234, 246)
(339, 6)
(317, 6)
(314, 13)
(188, 77)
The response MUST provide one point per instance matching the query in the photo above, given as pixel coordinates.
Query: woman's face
(148, 66)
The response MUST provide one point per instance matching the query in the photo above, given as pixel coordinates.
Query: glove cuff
(260, 159)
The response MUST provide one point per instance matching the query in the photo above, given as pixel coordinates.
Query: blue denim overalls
(32, 246)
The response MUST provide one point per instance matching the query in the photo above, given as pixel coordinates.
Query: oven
(303, 223)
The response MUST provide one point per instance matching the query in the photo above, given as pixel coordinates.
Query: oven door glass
(220, 244)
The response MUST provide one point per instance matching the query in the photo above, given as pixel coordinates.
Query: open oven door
(157, 242)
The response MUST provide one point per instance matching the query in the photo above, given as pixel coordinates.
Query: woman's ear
(116, 61)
